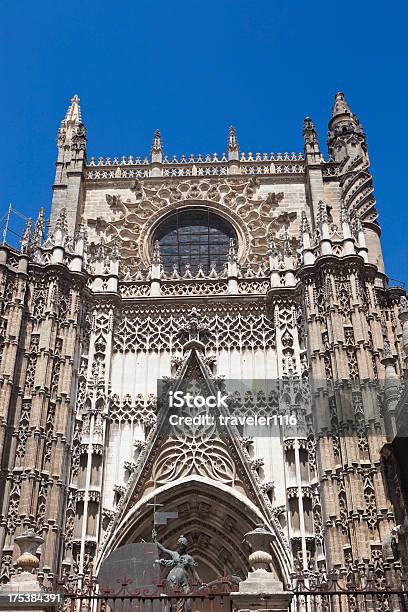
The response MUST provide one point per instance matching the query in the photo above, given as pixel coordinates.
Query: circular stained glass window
(194, 237)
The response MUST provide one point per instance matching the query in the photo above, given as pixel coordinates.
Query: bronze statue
(182, 565)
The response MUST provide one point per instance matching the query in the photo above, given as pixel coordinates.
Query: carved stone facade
(91, 318)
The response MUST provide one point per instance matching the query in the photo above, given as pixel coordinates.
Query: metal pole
(7, 223)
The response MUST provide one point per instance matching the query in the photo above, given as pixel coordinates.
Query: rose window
(192, 238)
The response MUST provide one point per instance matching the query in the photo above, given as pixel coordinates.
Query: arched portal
(213, 517)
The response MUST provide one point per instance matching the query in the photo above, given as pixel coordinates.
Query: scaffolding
(12, 225)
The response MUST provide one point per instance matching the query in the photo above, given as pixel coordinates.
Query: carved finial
(62, 220)
(80, 240)
(311, 143)
(156, 259)
(232, 140)
(306, 239)
(175, 274)
(232, 254)
(60, 229)
(357, 225)
(286, 243)
(156, 153)
(26, 237)
(271, 244)
(404, 304)
(81, 233)
(38, 236)
(187, 271)
(322, 215)
(386, 352)
(157, 143)
(304, 224)
(194, 326)
(74, 111)
(259, 539)
(100, 251)
(114, 254)
(232, 145)
(309, 131)
(344, 214)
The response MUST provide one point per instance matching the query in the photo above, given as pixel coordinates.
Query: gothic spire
(39, 228)
(71, 160)
(340, 106)
(346, 137)
(74, 111)
(72, 131)
(27, 236)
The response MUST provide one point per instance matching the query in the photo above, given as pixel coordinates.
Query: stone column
(262, 590)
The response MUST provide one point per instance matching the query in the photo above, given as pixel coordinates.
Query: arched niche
(213, 517)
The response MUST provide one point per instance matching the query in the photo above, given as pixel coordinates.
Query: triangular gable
(173, 454)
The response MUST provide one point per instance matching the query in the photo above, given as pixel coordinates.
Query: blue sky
(192, 69)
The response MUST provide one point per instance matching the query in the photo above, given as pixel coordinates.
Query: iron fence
(214, 597)
(353, 591)
(332, 593)
(350, 601)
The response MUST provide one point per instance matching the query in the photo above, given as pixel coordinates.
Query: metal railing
(358, 591)
(214, 597)
(350, 601)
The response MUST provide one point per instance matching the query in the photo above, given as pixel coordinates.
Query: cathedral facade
(240, 266)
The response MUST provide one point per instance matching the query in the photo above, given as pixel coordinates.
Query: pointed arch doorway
(213, 517)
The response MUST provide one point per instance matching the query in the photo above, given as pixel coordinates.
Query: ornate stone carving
(132, 221)
(228, 330)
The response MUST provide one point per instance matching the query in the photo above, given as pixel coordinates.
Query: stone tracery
(229, 329)
(253, 217)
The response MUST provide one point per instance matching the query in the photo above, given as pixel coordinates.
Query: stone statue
(181, 565)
